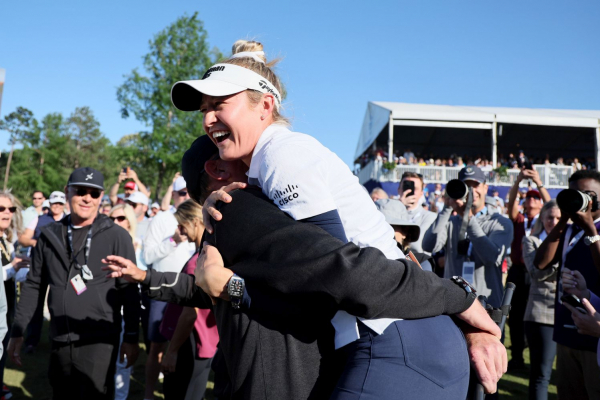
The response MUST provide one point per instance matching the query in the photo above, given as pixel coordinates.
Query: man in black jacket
(279, 347)
(85, 306)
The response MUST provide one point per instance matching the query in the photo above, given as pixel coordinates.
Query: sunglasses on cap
(120, 218)
(12, 210)
(92, 192)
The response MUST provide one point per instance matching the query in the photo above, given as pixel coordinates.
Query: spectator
(130, 187)
(498, 199)
(539, 314)
(105, 208)
(139, 202)
(177, 185)
(57, 202)
(488, 236)
(522, 226)
(405, 231)
(35, 210)
(409, 155)
(86, 318)
(522, 160)
(412, 200)
(154, 209)
(577, 248)
(46, 207)
(378, 193)
(166, 250)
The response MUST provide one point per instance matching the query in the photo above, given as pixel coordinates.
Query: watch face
(236, 287)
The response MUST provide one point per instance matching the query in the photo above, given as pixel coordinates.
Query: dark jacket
(43, 220)
(94, 315)
(298, 277)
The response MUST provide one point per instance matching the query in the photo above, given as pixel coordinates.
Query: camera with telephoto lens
(457, 189)
(572, 201)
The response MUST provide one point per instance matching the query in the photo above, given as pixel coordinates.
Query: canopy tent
(470, 131)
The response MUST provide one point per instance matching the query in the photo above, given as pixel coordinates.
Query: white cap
(179, 184)
(57, 197)
(155, 205)
(138, 198)
(46, 204)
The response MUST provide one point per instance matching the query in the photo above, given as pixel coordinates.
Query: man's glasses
(92, 192)
(532, 197)
(120, 218)
(182, 193)
(132, 204)
(12, 210)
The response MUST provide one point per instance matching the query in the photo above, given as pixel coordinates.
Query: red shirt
(516, 252)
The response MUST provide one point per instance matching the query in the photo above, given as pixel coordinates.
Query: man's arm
(513, 204)
(436, 236)
(156, 243)
(548, 253)
(26, 239)
(491, 248)
(114, 189)
(141, 187)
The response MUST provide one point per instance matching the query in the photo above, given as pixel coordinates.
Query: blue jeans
(413, 359)
(542, 350)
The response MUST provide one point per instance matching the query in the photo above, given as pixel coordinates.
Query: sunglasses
(132, 204)
(120, 218)
(182, 193)
(92, 192)
(12, 210)
(532, 197)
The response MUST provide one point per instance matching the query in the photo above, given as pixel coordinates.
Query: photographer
(411, 194)
(576, 247)
(479, 256)
(522, 225)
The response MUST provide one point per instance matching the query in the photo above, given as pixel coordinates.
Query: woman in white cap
(240, 99)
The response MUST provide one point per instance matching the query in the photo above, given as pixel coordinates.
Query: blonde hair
(538, 227)
(187, 213)
(129, 215)
(16, 225)
(264, 70)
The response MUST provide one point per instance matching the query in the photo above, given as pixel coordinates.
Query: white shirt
(304, 178)
(158, 248)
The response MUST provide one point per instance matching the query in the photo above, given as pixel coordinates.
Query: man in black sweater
(85, 307)
(281, 346)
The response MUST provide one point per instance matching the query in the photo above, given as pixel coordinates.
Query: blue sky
(337, 55)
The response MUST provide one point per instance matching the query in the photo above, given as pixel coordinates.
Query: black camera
(572, 201)
(457, 189)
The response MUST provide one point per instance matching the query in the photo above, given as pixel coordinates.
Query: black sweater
(299, 277)
(94, 315)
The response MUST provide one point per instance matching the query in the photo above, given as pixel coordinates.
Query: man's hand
(122, 176)
(169, 362)
(585, 221)
(459, 206)
(530, 174)
(587, 324)
(175, 177)
(211, 275)
(574, 283)
(131, 351)
(14, 350)
(209, 209)
(407, 199)
(477, 317)
(488, 357)
(131, 174)
(122, 267)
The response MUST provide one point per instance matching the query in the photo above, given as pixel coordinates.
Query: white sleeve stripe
(166, 284)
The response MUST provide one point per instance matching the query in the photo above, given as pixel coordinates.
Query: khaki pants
(577, 374)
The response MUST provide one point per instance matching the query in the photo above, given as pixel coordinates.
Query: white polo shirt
(304, 179)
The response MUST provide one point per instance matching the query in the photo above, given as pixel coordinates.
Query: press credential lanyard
(85, 271)
(528, 230)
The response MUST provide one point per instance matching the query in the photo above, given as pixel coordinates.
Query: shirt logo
(286, 196)
(90, 176)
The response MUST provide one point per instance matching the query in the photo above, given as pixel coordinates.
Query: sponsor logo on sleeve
(283, 197)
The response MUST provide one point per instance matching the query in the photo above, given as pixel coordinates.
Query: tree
(179, 52)
(17, 125)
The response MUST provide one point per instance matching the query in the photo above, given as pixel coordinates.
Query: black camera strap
(462, 234)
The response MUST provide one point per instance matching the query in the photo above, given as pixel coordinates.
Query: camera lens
(571, 200)
(457, 189)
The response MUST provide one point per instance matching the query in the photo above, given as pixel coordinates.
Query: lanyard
(525, 223)
(85, 271)
(481, 213)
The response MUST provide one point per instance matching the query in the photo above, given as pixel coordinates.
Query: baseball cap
(471, 173)
(57, 197)
(138, 198)
(179, 184)
(155, 205)
(192, 164)
(220, 80)
(46, 204)
(131, 185)
(88, 177)
(533, 193)
(396, 215)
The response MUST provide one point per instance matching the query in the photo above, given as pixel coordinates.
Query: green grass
(31, 381)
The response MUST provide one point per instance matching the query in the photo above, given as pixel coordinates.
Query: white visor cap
(220, 80)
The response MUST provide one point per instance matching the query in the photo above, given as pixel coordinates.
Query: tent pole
(391, 139)
(597, 146)
(494, 145)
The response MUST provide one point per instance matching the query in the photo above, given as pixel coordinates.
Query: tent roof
(378, 115)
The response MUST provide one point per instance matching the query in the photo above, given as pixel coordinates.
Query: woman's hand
(20, 262)
(122, 267)
(209, 209)
(169, 362)
(587, 324)
(211, 275)
(574, 283)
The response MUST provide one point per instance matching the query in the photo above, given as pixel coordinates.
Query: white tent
(537, 129)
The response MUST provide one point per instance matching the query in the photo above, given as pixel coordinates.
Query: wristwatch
(589, 240)
(462, 282)
(235, 289)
